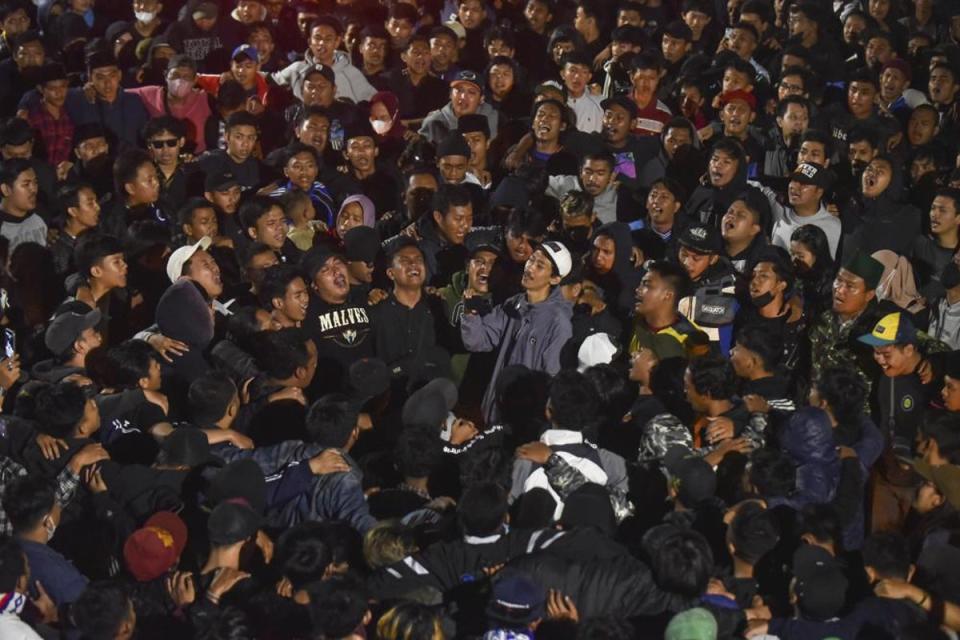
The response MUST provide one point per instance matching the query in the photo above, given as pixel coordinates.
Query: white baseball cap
(559, 256)
(597, 348)
(180, 257)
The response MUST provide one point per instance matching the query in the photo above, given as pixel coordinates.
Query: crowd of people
(499, 319)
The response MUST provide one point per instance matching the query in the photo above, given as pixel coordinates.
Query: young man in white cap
(529, 328)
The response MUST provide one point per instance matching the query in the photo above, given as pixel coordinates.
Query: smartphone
(9, 343)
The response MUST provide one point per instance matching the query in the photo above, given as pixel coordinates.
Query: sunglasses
(160, 144)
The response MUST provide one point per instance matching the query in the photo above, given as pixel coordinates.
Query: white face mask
(380, 126)
(144, 16)
(179, 88)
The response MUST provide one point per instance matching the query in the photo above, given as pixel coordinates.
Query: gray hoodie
(350, 81)
(526, 334)
(442, 121)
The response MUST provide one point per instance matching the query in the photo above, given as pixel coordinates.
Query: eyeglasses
(167, 142)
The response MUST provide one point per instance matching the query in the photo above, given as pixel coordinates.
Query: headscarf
(392, 103)
(369, 210)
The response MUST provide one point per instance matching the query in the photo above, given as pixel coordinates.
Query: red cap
(153, 550)
(739, 94)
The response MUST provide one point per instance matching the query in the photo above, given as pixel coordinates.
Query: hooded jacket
(350, 81)
(623, 278)
(439, 123)
(808, 440)
(527, 334)
(885, 222)
(708, 203)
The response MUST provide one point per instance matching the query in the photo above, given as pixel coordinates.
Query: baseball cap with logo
(893, 328)
(739, 95)
(246, 51)
(701, 239)
(150, 552)
(465, 76)
(811, 173)
(180, 257)
(559, 255)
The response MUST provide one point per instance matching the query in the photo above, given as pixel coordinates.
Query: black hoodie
(884, 222)
(708, 203)
(623, 279)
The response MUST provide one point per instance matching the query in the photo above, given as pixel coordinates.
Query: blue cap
(247, 50)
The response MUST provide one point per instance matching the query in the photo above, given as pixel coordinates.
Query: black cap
(623, 102)
(680, 30)
(485, 239)
(369, 377)
(820, 586)
(324, 70)
(231, 522)
(430, 405)
(188, 447)
(66, 328)
(473, 122)
(361, 244)
(453, 144)
(701, 238)
(811, 173)
(219, 180)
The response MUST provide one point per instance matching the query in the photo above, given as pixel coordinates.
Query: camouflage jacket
(833, 343)
(665, 431)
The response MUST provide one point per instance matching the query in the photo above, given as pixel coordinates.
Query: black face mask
(578, 234)
(582, 309)
(950, 277)
(762, 300)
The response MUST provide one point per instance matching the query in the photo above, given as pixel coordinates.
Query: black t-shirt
(342, 335)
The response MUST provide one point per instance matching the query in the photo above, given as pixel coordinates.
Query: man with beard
(598, 178)
(338, 321)
(403, 326)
